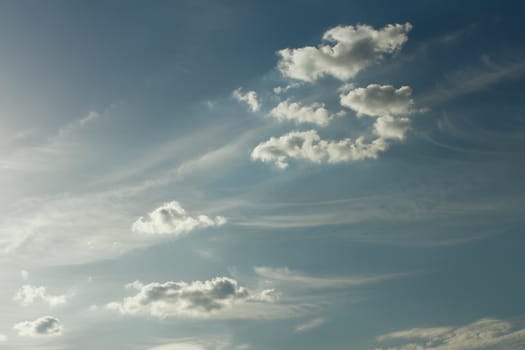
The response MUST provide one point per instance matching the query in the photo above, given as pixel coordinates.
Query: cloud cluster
(308, 145)
(43, 326)
(482, 334)
(250, 98)
(194, 299)
(348, 50)
(389, 105)
(297, 112)
(171, 218)
(27, 295)
(379, 100)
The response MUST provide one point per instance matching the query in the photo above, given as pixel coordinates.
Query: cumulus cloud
(43, 326)
(310, 325)
(250, 98)
(347, 51)
(308, 145)
(193, 299)
(482, 334)
(389, 105)
(389, 127)
(27, 295)
(3, 338)
(379, 100)
(315, 113)
(171, 218)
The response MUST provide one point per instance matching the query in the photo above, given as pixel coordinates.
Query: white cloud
(27, 295)
(389, 127)
(307, 145)
(389, 105)
(43, 326)
(24, 274)
(290, 277)
(482, 334)
(310, 325)
(282, 89)
(250, 98)
(3, 338)
(171, 218)
(349, 49)
(379, 100)
(315, 113)
(193, 299)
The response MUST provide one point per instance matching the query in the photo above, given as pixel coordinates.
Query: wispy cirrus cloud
(482, 334)
(310, 325)
(297, 278)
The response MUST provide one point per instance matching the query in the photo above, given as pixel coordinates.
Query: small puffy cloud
(27, 295)
(389, 127)
(3, 338)
(250, 98)
(194, 299)
(24, 274)
(43, 326)
(310, 325)
(282, 89)
(379, 100)
(171, 218)
(347, 51)
(308, 145)
(482, 334)
(315, 113)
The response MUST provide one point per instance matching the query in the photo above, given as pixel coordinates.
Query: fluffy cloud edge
(171, 218)
(347, 51)
(315, 113)
(41, 327)
(196, 299)
(249, 97)
(308, 145)
(28, 295)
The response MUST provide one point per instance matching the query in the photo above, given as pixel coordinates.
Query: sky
(253, 175)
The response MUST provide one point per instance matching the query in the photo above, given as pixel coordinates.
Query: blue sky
(233, 175)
